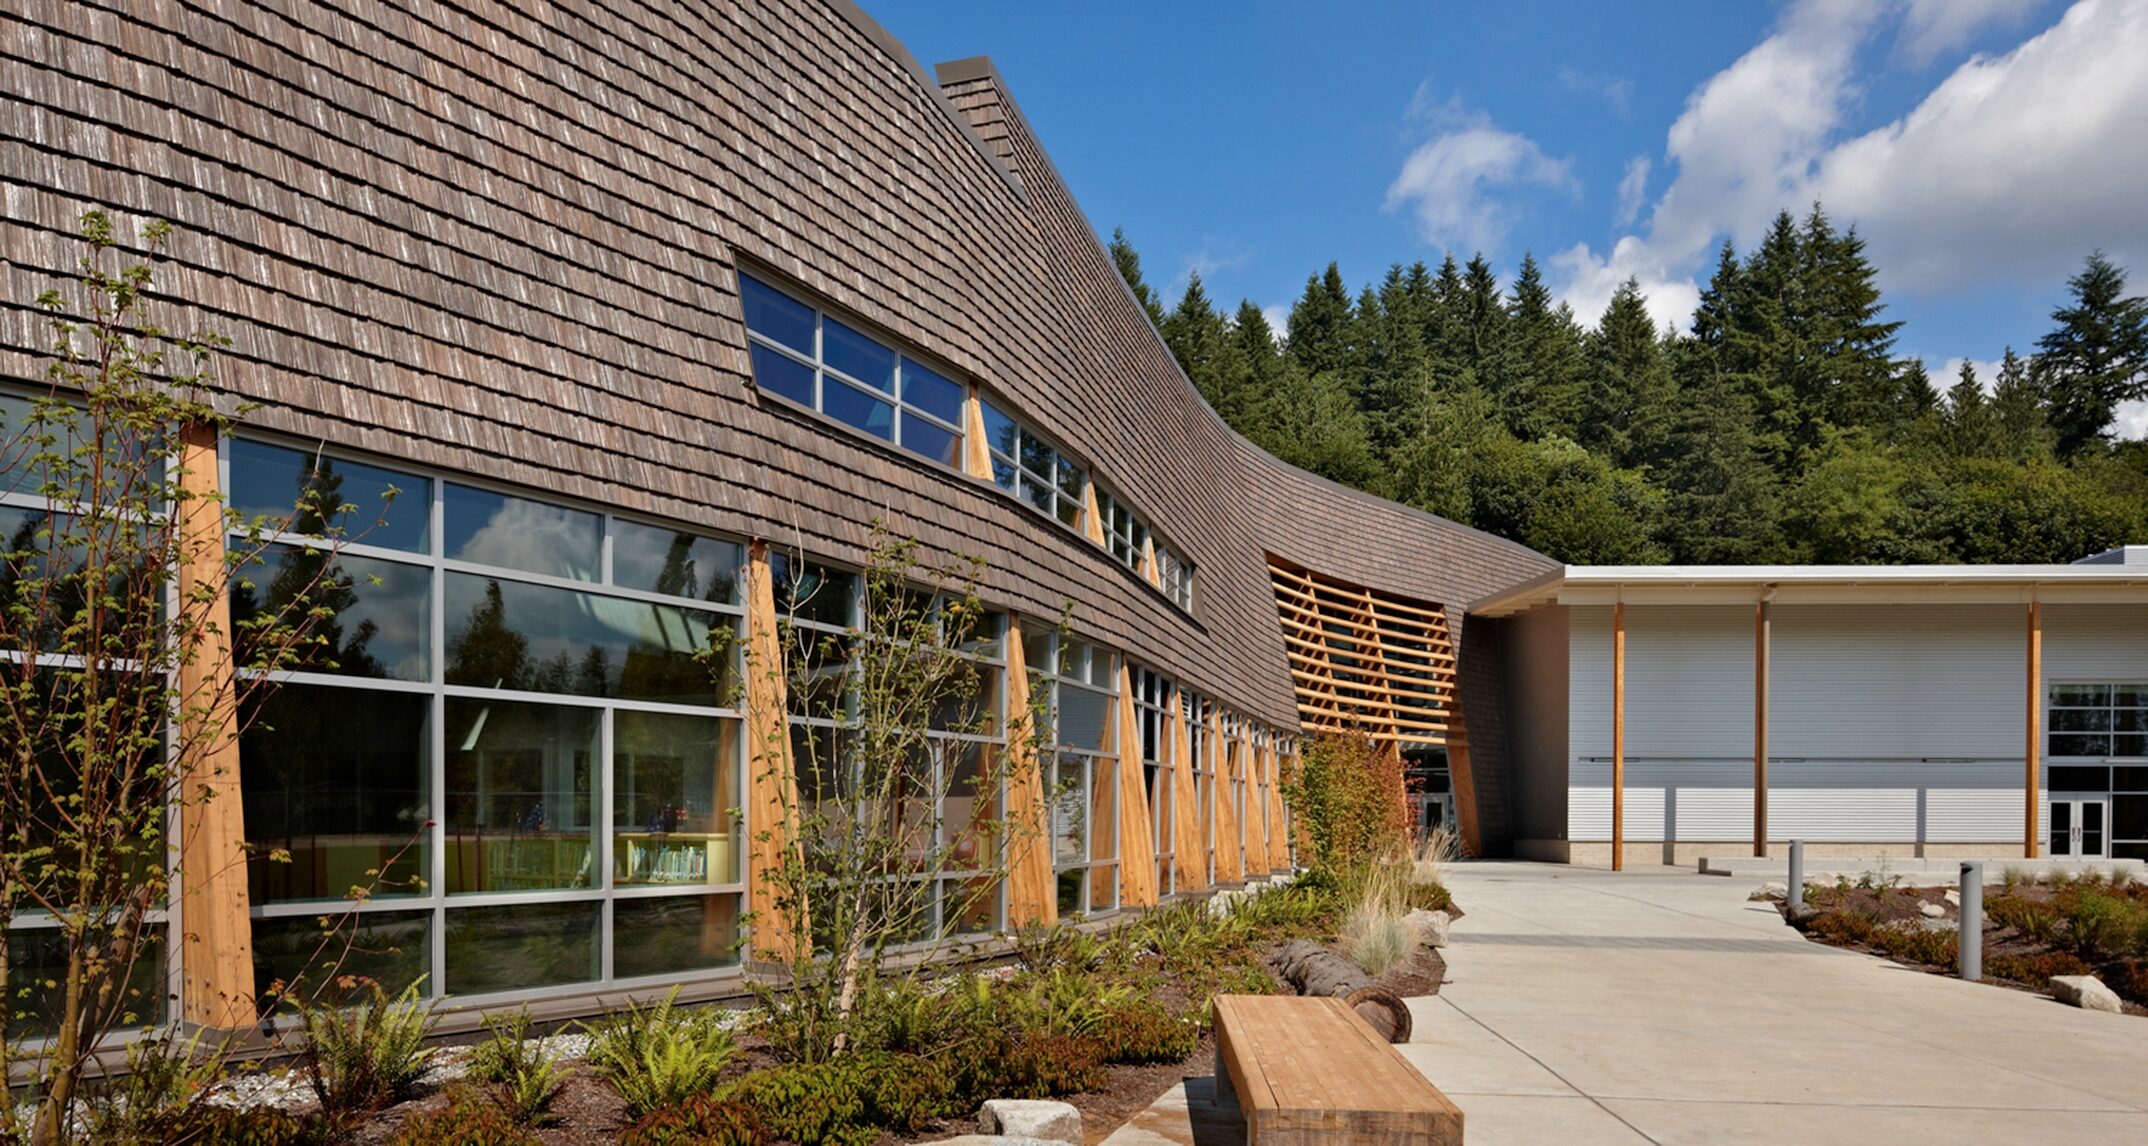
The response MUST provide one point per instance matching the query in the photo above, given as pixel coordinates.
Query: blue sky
(1982, 146)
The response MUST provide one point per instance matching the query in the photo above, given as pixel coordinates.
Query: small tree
(878, 857)
(122, 685)
(1348, 806)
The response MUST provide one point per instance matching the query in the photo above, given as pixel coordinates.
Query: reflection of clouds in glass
(560, 640)
(529, 535)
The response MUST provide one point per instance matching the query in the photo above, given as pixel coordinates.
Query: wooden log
(1315, 970)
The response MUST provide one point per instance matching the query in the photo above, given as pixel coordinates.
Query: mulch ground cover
(2032, 931)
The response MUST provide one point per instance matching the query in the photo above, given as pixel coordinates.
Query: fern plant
(515, 1070)
(368, 1055)
(655, 1055)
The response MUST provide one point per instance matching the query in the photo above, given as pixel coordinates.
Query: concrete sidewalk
(1657, 1005)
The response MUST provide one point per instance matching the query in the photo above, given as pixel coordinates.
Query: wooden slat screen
(1365, 661)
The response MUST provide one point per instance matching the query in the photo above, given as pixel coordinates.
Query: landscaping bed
(2033, 929)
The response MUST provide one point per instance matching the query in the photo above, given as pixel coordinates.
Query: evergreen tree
(2095, 357)
(2018, 412)
(1483, 334)
(1849, 378)
(1915, 396)
(1626, 408)
(1248, 384)
(1320, 324)
(1542, 382)
(1968, 428)
(1200, 340)
(1129, 263)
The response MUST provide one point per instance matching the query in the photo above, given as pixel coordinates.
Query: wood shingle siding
(503, 239)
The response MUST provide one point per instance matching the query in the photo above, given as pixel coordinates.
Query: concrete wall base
(1689, 853)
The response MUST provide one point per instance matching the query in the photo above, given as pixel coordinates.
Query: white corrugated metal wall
(1889, 723)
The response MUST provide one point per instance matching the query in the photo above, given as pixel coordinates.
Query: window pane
(929, 441)
(674, 562)
(389, 509)
(378, 630)
(537, 638)
(854, 354)
(1070, 805)
(526, 945)
(805, 591)
(2130, 695)
(17, 470)
(674, 934)
(782, 375)
(37, 978)
(847, 403)
(392, 948)
(336, 777)
(970, 907)
(940, 397)
(2063, 744)
(2080, 720)
(674, 798)
(486, 528)
(1036, 456)
(1000, 431)
(1072, 891)
(1084, 719)
(1002, 474)
(777, 316)
(968, 823)
(2088, 694)
(1039, 494)
(518, 781)
(1069, 510)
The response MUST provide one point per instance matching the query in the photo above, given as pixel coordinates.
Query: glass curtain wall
(1194, 709)
(1080, 681)
(1154, 700)
(36, 955)
(825, 607)
(522, 715)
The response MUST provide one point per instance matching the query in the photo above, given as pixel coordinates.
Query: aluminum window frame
(604, 887)
(897, 396)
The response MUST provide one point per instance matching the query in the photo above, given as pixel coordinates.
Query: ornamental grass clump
(1377, 933)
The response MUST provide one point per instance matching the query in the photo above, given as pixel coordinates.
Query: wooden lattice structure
(1364, 661)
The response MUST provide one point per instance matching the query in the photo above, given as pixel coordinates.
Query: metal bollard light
(1796, 894)
(1972, 929)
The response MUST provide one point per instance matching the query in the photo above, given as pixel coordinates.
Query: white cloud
(1633, 188)
(1590, 281)
(1449, 180)
(2011, 169)
(1214, 255)
(1278, 316)
(1614, 90)
(2014, 166)
(2132, 420)
(1933, 27)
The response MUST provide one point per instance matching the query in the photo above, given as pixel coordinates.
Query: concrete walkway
(1659, 1006)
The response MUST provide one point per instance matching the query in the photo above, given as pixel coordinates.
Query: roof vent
(2121, 555)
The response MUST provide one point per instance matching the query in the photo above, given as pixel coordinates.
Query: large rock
(2086, 992)
(1771, 890)
(1933, 911)
(1431, 925)
(1030, 1118)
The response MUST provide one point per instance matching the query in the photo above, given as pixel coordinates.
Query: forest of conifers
(1781, 427)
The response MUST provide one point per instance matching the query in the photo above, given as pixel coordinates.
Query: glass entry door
(2078, 827)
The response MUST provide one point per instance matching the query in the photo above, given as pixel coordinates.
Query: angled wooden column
(772, 779)
(216, 947)
(1186, 855)
(976, 451)
(1092, 519)
(1618, 736)
(1137, 840)
(1462, 779)
(1230, 842)
(1762, 651)
(2032, 755)
(1031, 894)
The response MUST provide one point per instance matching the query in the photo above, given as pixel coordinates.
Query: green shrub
(1912, 943)
(165, 1078)
(1146, 1033)
(1066, 1002)
(1348, 798)
(470, 1119)
(655, 1055)
(369, 1055)
(703, 1120)
(2035, 970)
(1430, 896)
(515, 1070)
(846, 1100)
(2102, 924)
(207, 1124)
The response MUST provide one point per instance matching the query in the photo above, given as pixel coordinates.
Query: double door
(2080, 827)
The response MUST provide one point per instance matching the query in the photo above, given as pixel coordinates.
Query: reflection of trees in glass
(484, 651)
(317, 578)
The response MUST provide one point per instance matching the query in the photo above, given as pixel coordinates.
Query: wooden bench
(1306, 1069)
